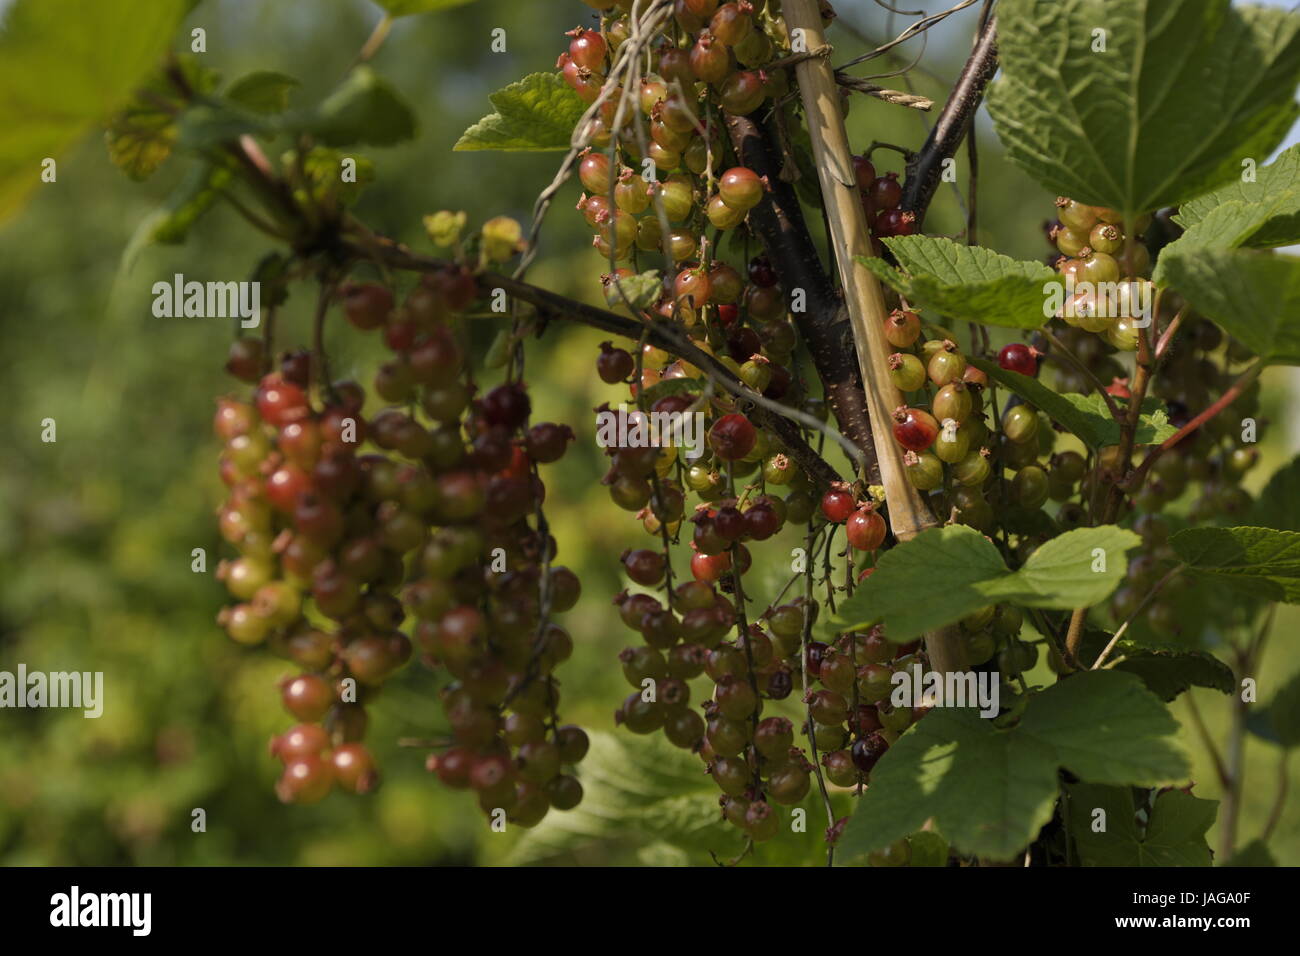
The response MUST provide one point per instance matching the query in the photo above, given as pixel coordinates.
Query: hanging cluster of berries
(1090, 245)
(950, 451)
(433, 529)
(880, 198)
(1094, 249)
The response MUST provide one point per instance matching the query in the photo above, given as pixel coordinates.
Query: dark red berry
(614, 365)
(761, 272)
(547, 442)
(732, 437)
(868, 750)
(1018, 357)
(506, 405)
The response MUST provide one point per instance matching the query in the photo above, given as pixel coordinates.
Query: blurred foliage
(97, 529)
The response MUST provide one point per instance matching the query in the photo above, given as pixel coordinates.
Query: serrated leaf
(1254, 853)
(943, 574)
(1262, 561)
(969, 283)
(537, 113)
(1168, 670)
(1280, 177)
(140, 137)
(1232, 225)
(1183, 92)
(363, 109)
(65, 66)
(406, 8)
(262, 91)
(1085, 416)
(1253, 296)
(1173, 836)
(990, 790)
(1278, 505)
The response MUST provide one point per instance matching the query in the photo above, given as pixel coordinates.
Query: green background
(96, 530)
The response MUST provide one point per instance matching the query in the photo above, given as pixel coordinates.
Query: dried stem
(908, 514)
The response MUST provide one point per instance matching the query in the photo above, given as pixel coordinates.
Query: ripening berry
(838, 504)
(732, 437)
(914, 428)
(865, 530)
(1018, 357)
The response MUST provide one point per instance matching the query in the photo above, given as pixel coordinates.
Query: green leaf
(140, 137)
(209, 124)
(1280, 179)
(943, 574)
(1230, 226)
(1085, 416)
(363, 109)
(969, 283)
(405, 8)
(1168, 670)
(537, 113)
(1173, 836)
(1278, 505)
(65, 66)
(262, 91)
(1254, 853)
(1281, 716)
(639, 291)
(1253, 296)
(1261, 561)
(1184, 91)
(195, 195)
(990, 790)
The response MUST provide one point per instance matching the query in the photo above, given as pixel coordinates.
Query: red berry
(865, 529)
(864, 172)
(307, 697)
(732, 437)
(914, 428)
(740, 188)
(547, 442)
(868, 750)
(885, 192)
(279, 402)
(761, 272)
(644, 566)
(895, 222)
(709, 568)
(614, 365)
(838, 503)
(506, 405)
(366, 304)
(587, 49)
(245, 359)
(285, 486)
(1018, 357)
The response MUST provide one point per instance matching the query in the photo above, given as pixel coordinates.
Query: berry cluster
(950, 450)
(880, 198)
(433, 525)
(1094, 249)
